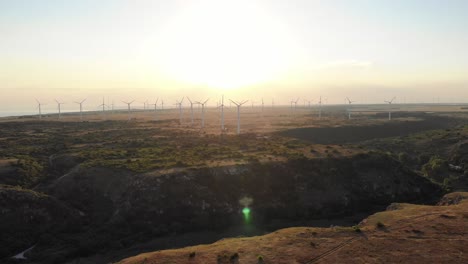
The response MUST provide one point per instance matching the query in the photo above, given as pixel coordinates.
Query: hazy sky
(366, 49)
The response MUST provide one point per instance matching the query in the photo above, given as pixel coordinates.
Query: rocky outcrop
(208, 198)
(119, 208)
(27, 216)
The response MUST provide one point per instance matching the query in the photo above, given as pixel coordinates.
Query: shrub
(380, 225)
(234, 257)
(192, 254)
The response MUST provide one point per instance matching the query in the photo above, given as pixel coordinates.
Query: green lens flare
(246, 212)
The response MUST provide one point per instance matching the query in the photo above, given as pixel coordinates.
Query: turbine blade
(234, 102)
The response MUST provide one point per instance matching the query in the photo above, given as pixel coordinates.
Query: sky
(369, 50)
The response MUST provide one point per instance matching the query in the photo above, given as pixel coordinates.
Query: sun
(224, 45)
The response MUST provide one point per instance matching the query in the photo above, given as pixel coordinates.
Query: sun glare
(224, 45)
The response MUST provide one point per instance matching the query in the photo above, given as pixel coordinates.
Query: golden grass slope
(405, 233)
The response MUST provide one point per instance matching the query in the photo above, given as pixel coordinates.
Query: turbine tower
(191, 109)
(59, 110)
(103, 108)
(155, 109)
(295, 104)
(128, 107)
(39, 107)
(390, 109)
(349, 103)
(179, 103)
(81, 108)
(320, 108)
(203, 112)
(238, 104)
(263, 105)
(222, 113)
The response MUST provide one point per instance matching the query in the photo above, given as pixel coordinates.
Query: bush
(234, 256)
(380, 225)
(435, 168)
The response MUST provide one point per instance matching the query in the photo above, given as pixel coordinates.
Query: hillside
(404, 233)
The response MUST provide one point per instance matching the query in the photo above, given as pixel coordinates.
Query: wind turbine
(295, 104)
(155, 109)
(162, 104)
(179, 103)
(263, 104)
(222, 113)
(128, 105)
(238, 104)
(203, 112)
(39, 107)
(349, 103)
(81, 108)
(390, 110)
(191, 109)
(320, 107)
(103, 108)
(59, 110)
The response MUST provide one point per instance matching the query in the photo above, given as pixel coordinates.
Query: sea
(15, 113)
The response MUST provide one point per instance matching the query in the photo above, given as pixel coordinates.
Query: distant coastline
(16, 113)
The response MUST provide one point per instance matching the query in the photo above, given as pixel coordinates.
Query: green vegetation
(357, 229)
(138, 147)
(29, 170)
(435, 167)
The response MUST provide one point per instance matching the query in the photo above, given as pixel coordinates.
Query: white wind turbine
(320, 108)
(263, 105)
(103, 108)
(81, 108)
(39, 107)
(155, 109)
(390, 110)
(162, 104)
(203, 112)
(129, 108)
(238, 104)
(222, 113)
(295, 105)
(191, 109)
(349, 110)
(59, 104)
(179, 104)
